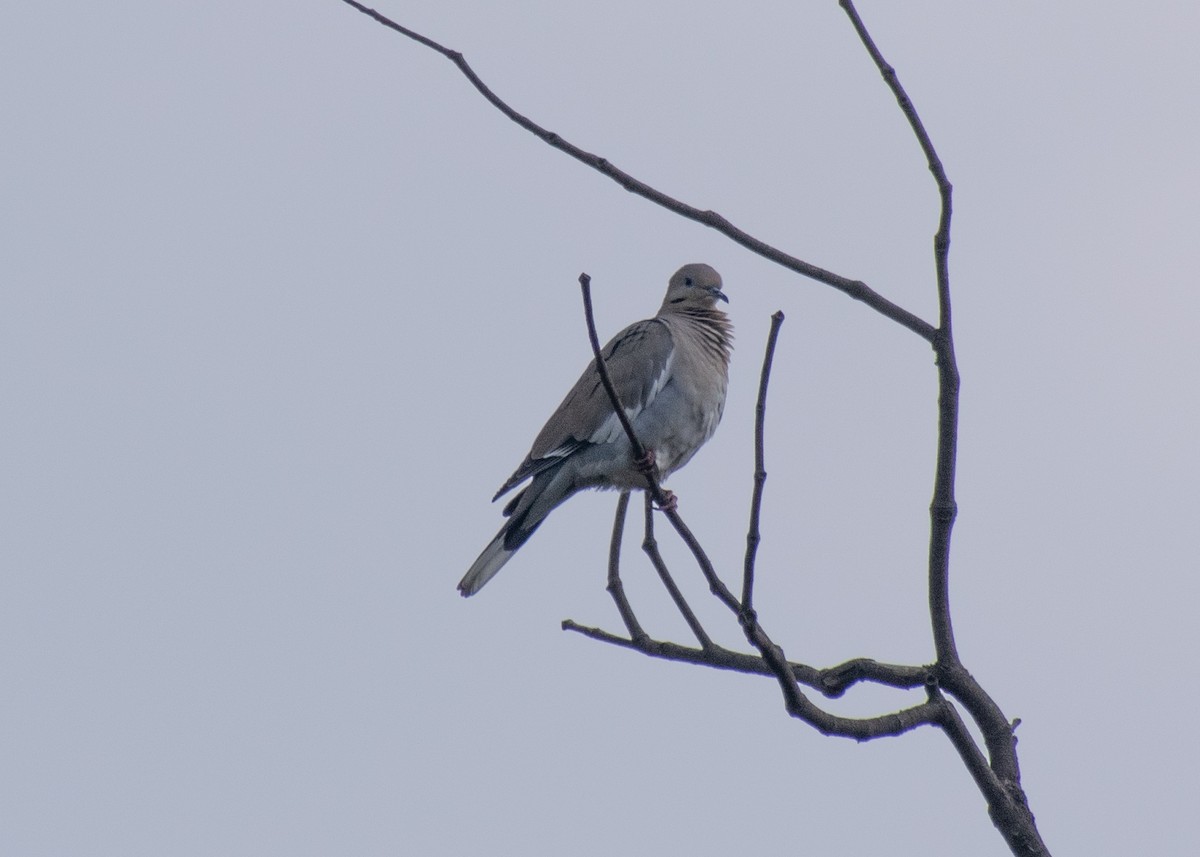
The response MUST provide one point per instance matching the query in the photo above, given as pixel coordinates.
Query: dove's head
(694, 285)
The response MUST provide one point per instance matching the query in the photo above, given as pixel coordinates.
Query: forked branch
(770, 654)
(997, 775)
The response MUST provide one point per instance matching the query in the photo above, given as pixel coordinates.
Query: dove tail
(493, 558)
(515, 532)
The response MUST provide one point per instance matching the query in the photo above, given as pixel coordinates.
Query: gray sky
(285, 301)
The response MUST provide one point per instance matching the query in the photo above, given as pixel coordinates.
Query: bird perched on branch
(670, 373)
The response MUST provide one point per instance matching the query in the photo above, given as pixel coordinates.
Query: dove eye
(687, 281)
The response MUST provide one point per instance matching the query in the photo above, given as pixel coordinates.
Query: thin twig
(650, 547)
(718, 657)
(639, 451)
(585, 287)
(831, 682)
(854, 288)
(615, 587)
(753, 537)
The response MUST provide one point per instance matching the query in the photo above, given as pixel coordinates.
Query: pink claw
(671, 504)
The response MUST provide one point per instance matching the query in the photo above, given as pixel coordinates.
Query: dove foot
(671, 502)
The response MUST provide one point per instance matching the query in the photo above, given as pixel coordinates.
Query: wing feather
(639, 361)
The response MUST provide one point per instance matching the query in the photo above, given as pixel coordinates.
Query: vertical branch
(650, 546)
(615, 587)
(760, 473)
(1007, 804)
(943, 509)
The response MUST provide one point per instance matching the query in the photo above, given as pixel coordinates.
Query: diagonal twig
(650, 547)
(854, 288)
(655, 489)
(639, 451)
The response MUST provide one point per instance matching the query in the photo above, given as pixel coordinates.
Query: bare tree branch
(796, 703)
(650, 547)
(615, 588)
(997, 775)
(1001, 784)
(831, 682)
(943, 508)
(858, 728)
(760, 473)
(854, 288)
(1007, 805)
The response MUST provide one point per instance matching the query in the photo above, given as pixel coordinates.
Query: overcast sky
(285, 301)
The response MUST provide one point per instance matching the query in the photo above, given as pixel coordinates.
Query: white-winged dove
(670, 373)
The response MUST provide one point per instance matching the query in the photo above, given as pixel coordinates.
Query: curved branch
(650, 548)
(760, 473)
(943, 508)
(718, 657)
(854, 288)
(615, 587)
(832, 682)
